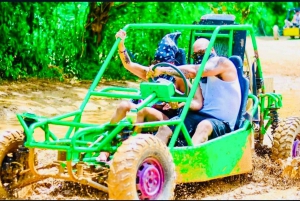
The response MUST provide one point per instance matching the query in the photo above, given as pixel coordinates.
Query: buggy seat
(244, 83)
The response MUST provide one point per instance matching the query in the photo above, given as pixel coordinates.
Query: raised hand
(153, 73)
(121, 34)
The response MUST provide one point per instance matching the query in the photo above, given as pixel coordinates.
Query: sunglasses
(197, 54)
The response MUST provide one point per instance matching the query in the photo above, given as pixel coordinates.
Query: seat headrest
(237, 61)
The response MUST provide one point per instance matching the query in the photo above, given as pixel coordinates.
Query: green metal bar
(176, 134)
(147, 100)
(44, 121)
(175, 99)
(112, 95)
(57, 122)
(268, 125)
(76, 119)
(252, 112)
(184, 26)
(102, 143)
(100, 73)
(60, 141)
(97, 148)
(119, 89)
(47, 135)
(65, 142)
(131, 96)
(67, 115)
(230, 42)
(158, 123)
(52, 135)
(192, 42)
(25, 127)
(96, 129)
(153, 102)
(273, 99)
(46, 146)
(69, 123)
(185, 134)
(255, 104)
(210, 34)
(259, 68)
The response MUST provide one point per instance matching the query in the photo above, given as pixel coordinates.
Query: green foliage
(35, 40)
(53, 39)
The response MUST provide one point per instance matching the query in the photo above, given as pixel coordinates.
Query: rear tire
(9, 143)
(286, 139)
(142, 169)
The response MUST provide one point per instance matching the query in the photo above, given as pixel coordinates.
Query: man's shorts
(194, 118)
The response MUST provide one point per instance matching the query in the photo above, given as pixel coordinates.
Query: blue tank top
(222, 99)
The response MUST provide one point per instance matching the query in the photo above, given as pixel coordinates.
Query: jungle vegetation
(58, 40)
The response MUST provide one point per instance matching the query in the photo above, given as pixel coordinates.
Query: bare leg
(121, 111)
(119, 114)
(151, 114)
(203, 131)
(164, 133)
(102, 156)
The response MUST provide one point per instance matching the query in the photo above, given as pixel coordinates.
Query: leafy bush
(57, 40)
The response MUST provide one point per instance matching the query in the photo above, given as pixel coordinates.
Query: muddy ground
(280, 61)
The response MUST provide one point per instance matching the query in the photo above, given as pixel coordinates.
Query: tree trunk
(96, 20)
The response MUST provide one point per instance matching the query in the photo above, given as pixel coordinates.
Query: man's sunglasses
(195, 55)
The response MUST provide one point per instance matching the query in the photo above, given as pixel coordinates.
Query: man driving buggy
(221, 95)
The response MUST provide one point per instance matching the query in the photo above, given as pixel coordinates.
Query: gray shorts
(194, 118)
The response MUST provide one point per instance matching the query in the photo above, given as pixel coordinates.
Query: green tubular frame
(82, 132)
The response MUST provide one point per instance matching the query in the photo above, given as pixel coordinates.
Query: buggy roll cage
(75, 124)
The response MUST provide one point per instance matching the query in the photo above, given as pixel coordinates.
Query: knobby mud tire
(9, 141)
(283, 139)
(128, 161)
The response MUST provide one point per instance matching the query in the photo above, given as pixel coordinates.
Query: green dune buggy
(142, 166)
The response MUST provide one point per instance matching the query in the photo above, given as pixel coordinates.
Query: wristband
(123, 51)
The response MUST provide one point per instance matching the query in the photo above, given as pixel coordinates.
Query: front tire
(286, 139)
(142, 169)
(9, 143)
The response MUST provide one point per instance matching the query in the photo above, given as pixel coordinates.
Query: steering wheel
(164, 64)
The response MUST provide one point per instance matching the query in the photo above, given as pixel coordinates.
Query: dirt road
(280, 60)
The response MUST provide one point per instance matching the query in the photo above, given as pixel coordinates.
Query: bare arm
(197, 102)
(134, 68)
(214, 66)
(188, 70)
